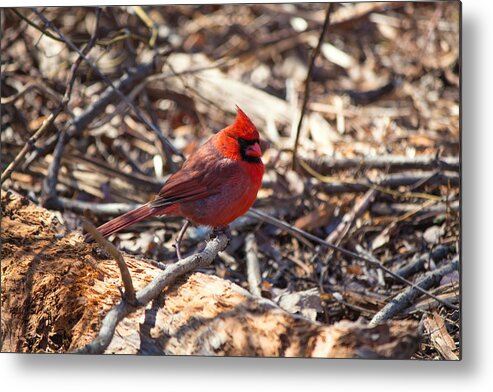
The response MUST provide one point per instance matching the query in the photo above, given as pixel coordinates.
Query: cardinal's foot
(221, 230)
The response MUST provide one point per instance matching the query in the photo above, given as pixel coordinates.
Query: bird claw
(176, 245)
(216, 231)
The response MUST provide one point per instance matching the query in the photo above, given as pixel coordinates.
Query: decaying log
(56, 289)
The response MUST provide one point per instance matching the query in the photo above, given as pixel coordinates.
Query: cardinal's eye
(247, 142)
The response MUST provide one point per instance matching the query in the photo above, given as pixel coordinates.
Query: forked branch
(152, 291)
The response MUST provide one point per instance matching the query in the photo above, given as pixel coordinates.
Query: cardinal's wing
(201, 176)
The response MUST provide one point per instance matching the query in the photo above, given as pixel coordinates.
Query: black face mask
(244, 144)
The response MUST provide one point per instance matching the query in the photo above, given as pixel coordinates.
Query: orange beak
(254, 150)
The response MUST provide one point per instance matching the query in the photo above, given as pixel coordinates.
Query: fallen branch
(253, 268)
(125, 99)
(401, 208)
(374, 263)
(152, 291)
(348, 219)
(391, 181)
(98, 209)
(129, 294)
(406, 298)
(205, 315)
(326, 165)
(417, 265)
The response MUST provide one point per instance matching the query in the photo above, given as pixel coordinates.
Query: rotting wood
(56, 290)
(441, 339)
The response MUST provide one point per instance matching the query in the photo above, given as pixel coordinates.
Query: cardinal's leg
(180, 237)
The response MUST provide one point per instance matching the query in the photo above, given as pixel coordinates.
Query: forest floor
(376, 171)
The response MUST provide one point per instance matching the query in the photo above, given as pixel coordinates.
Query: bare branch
(129, 103)
(391, 181)
(151, 291)
(253, 268)
(269, 219)
(180, 237)
(407, 297)
(392, 162)
(79, 123)
(111, 249)
(98, 209)
(348, 219)
(30, 144)
(402, 208)
(418, 264)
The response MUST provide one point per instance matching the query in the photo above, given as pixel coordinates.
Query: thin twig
(180, 237)
(308, 79)
(115, 253)
(100, 42)
(276, 222)
(348, 219)
(49, 184)
(79, 123)
(30, 144)
(129, 103)
(51, 94)
(152, 291)
(407, 297)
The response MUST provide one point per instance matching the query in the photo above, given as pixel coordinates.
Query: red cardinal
(216, 185)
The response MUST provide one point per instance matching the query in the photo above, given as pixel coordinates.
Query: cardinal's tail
(123, 221)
